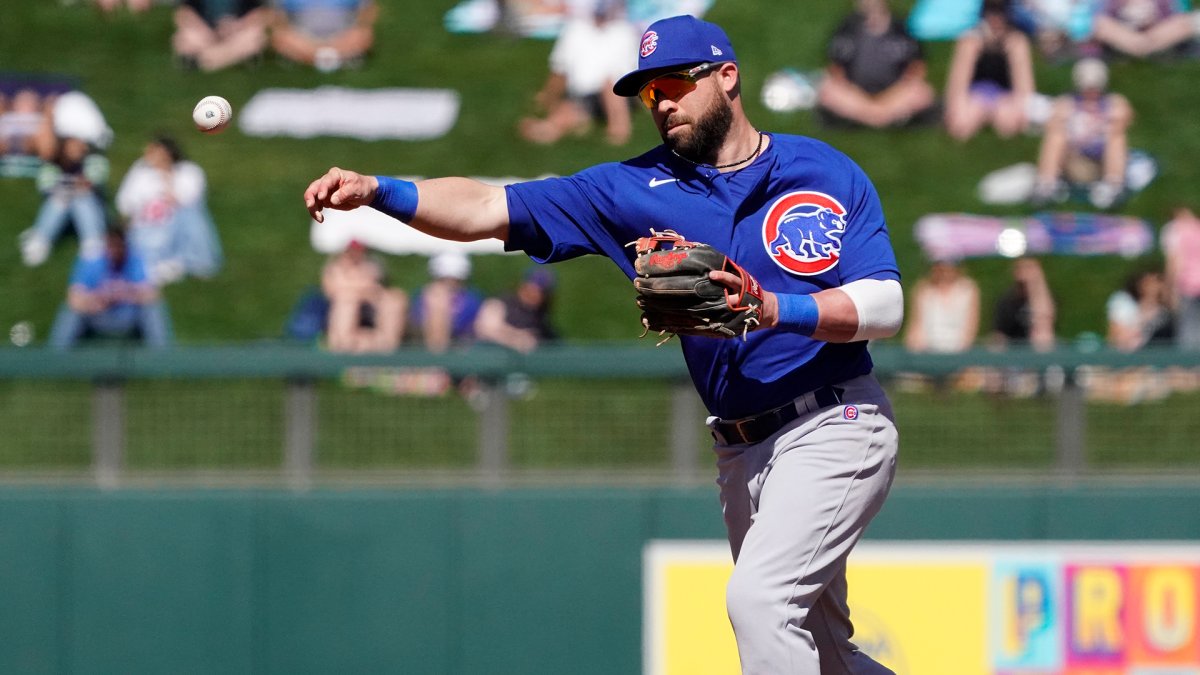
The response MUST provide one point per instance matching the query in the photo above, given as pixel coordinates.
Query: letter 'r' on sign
(1097, 595)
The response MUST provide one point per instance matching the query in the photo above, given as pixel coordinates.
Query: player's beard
(708, 132)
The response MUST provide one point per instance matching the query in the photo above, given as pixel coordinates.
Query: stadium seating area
(123, 60)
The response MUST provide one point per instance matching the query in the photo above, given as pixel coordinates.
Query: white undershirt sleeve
(880, 305)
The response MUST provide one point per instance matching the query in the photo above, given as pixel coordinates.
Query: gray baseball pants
(795, 505)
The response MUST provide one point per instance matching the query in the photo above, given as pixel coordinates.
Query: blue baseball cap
(673, 44)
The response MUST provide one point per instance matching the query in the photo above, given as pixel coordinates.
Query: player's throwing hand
(340, 189)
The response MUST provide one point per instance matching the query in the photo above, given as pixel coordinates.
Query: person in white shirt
(593, 50)
(945, 311)
(162, 199)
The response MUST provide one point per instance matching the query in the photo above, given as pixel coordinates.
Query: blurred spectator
(521, 320)
(1143, 28)
(991, 77)
(162, 197)
(135, 6)
(72, 184)
(309, 318)
(876, 75)
(326, 34)
(445, 309)
(590, 54)
(111, 296)
(1140, 313)
(20, 119)
(945, 311)
(1085, 145)
(1025, 313)
(72, 114)
(1181, 247)
(1057, 26)
(215, 34)
(364, 314)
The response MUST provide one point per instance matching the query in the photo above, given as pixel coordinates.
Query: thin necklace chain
(754, 154)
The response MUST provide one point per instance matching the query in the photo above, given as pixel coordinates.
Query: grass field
(124, 63)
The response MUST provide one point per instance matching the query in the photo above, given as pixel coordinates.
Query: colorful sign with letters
(940, 608)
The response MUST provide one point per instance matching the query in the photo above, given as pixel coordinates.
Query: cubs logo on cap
(649, 43)
(802, 232)
(675, 43)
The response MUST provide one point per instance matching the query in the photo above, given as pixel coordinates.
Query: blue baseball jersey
(801, 218)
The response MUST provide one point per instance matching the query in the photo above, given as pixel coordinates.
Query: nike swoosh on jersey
(655, 182)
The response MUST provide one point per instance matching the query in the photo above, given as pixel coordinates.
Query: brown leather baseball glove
(677, 297)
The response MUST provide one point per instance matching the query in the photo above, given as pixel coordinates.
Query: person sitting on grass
(1180, 241)
(20, 120)
(110, 295)
(991, 77)
(1025, 313)
(945, 311)
(365, 315)
(326, 34)
(1140, 313)
(445, 309)
(519, 321)
(73, 186)
(1085, 145)
(163, 198)
(1143, 28)
(590, 54)
(876, 74)
(216, 34)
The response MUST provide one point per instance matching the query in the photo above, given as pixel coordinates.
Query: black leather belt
(760, 427)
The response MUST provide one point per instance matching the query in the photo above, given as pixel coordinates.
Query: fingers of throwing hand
(329, 184)
(310, 201)
(317, 196)
(313, 200)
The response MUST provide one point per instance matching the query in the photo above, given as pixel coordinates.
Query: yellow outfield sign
(940, 608)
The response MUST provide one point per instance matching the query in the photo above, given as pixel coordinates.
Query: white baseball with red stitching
(212, 114)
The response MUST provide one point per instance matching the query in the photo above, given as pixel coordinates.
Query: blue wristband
(396, 197)
(797, 313)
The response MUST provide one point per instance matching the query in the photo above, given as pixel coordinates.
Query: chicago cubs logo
(850, 413)
(649, 43)
(803, 232)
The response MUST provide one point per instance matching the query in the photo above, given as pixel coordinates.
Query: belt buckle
(737, 424)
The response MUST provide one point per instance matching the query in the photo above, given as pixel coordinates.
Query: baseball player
(805, 437)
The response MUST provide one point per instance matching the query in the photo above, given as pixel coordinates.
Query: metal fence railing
(296, 413)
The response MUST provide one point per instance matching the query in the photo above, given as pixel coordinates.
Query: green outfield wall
(456, 581)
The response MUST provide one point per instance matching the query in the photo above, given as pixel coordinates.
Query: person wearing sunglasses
(805, 437)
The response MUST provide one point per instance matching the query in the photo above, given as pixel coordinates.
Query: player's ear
(730, 79)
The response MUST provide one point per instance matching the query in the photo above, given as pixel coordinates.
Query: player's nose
(662, 112)
(665, 106)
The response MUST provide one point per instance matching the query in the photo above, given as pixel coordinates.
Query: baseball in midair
(212, 114)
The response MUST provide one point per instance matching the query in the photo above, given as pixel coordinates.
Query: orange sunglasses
(672, 85)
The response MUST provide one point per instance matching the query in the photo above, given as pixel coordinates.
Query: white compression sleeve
(880, 306)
